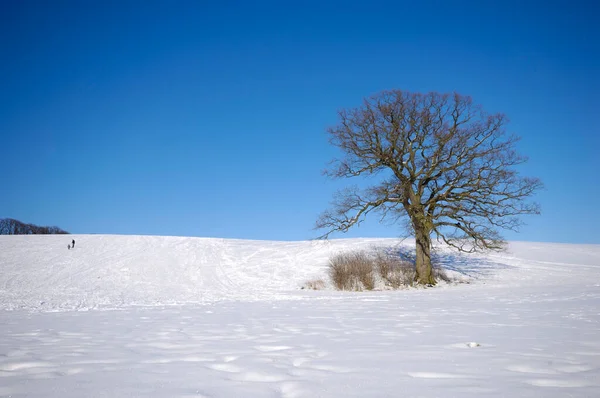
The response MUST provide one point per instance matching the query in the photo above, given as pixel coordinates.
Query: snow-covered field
(137, 316)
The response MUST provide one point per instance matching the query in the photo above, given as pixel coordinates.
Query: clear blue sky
(201, 118)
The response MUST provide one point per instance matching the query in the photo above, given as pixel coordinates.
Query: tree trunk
(424, 274)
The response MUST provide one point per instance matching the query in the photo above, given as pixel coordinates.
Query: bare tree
(439, 162)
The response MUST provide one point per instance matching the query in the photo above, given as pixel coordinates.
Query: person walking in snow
(69, 247)
(73, 244)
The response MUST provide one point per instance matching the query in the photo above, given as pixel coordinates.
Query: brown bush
(352, 271)
(357, 271)
(394, 271)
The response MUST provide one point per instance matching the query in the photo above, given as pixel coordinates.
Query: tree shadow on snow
(471, 265)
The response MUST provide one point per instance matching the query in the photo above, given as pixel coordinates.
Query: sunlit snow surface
(137, 316)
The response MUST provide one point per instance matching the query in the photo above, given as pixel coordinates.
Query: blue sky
(196, 118)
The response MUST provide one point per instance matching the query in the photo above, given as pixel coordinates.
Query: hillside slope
(109, 271)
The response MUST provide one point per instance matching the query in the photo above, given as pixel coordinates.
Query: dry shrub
(394, 271)
(352, 271)
(315, 284)
(358, 271)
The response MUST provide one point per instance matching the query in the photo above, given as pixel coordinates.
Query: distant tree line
(9, 226)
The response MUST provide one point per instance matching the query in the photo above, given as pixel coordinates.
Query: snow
(124, 316)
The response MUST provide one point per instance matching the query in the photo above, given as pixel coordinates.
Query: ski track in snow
(124, 316)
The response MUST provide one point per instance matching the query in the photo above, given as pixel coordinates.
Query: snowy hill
(111, 271)
(227, 318)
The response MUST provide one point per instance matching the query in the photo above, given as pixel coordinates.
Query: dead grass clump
(315, 284)
(394, 271)
(352, 271)
(357, 271)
